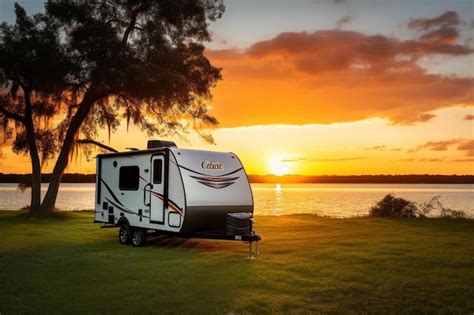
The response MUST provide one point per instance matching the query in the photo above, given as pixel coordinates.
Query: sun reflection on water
(278, 200)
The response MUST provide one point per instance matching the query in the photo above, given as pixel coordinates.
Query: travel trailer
(176, 192)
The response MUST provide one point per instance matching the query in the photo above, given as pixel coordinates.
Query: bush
(444, 212)
(391, 206)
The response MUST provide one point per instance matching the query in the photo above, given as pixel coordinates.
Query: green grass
(306, 264)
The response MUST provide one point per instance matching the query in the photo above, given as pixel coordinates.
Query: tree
(85, 65)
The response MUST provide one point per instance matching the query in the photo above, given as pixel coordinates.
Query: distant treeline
(350, 179)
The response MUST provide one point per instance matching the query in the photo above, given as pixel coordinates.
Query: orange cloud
(445, 160)
(461, 145)
(467, 146)
(335, 76)
(423, 160)
(381, 148)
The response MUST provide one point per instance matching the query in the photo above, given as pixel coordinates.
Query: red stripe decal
(170, 205)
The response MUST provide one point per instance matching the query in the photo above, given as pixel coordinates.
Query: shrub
(444, 212)
(391, 206)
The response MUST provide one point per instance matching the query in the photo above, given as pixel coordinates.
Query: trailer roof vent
(152, 144)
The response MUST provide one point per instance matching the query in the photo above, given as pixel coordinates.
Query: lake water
(335, 200)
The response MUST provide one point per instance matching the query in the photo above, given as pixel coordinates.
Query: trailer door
(157, 189)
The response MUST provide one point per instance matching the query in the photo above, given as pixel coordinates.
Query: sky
(332, 87)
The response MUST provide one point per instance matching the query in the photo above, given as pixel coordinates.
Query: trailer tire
(125, 235)
(138, 237)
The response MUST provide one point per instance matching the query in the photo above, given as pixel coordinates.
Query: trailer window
(157, 170)
(129, 177)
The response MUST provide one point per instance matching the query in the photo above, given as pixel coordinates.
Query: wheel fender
(123, 220)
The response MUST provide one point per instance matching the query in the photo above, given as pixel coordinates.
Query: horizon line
(287, 175)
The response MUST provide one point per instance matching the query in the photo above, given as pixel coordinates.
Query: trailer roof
(153, 150)
(131, 152)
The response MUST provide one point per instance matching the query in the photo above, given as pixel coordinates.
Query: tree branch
(11, 115)
(101, 145)
(131, 25)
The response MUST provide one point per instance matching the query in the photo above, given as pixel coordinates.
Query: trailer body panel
(171, 190)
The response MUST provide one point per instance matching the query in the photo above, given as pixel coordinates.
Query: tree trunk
(49, 201)
(35, 204)
(35, 182)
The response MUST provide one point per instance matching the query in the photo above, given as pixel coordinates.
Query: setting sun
(279, 166)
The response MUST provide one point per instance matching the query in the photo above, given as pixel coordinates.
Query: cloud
(469, 117)
(462, 160)
(444, 160)
(441, 29)
(381, 148)
(423, 160)
(324, 160)
(448, 18)
(467, 146)
(445, 145)
(342, 21)
(376, 148)
(337, 75)
(373, 50)
(437, 145)
(216, 38)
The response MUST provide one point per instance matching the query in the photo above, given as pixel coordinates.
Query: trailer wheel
(138, 237)
(125, 234)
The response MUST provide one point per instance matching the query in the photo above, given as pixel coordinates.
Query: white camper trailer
(173, 191)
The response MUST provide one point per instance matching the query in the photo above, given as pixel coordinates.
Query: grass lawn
(306, 264)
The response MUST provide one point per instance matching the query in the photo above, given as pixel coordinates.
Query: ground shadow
(202, 245)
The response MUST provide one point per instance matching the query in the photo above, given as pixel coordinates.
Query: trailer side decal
(173, 206)
(215, 181)
(125, 209)
(215, 185)
(111, 192)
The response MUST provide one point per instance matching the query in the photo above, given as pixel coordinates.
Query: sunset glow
(237, 156)
(324, 92)
(278, 166)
